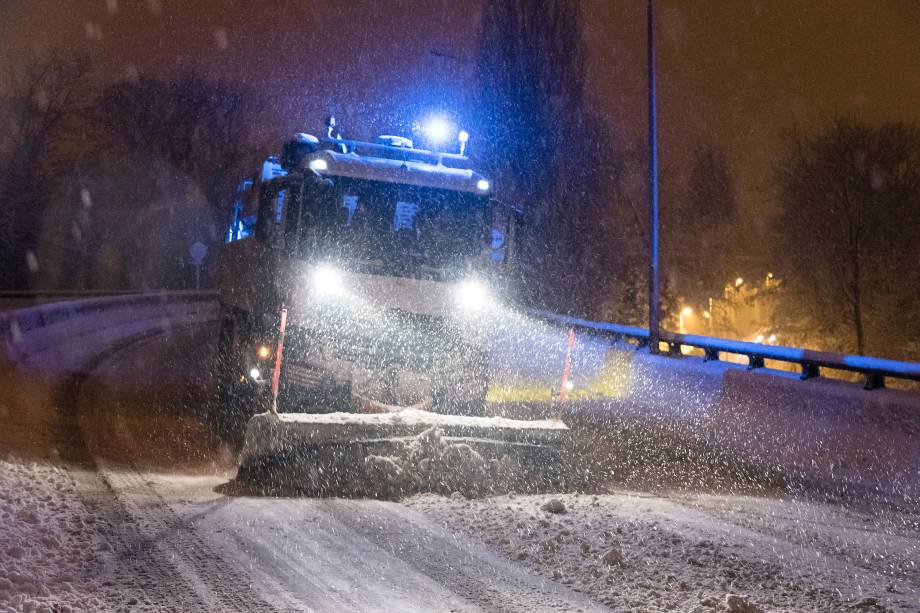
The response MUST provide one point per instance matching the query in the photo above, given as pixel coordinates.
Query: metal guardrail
(56, 336)
(22, 321)
(67, 293)
(21, 299)
(875, 370)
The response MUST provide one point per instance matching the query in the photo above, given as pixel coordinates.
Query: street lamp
(654, 286)
(684, 312)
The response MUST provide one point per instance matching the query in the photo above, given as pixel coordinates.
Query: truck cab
(388, 261)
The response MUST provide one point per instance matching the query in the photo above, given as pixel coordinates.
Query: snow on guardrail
(59, 335)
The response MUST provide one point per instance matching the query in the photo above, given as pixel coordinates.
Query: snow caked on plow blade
(396, 454)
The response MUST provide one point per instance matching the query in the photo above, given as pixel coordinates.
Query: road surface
(127, 510)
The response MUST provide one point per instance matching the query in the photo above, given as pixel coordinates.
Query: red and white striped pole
(564, 391)
(276, 377)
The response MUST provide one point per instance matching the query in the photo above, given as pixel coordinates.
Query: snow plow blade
(391, 455)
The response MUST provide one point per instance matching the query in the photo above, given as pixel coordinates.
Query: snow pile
(635, 552)
(50, 544)
(553, 505)
(431, 463)
(740, 604)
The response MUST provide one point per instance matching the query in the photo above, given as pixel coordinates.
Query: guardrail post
(754, 361)
(874, 381)
(810, 371)
(710, 355)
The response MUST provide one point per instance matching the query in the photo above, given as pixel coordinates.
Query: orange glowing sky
(736, 74)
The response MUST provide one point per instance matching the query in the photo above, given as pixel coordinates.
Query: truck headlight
(472, 295)
(327, 281)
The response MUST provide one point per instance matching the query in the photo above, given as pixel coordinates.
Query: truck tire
(229, 412)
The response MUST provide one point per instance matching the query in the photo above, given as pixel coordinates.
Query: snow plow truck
(358, 284)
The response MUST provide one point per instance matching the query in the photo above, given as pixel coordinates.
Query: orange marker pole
(276, 378)
(564, 391)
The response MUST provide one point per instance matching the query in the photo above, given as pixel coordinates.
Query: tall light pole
(654, 298)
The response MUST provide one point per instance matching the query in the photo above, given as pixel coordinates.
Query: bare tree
(159, 163)
(848, 235)
(122, 221)
(701, 228)
(156, 166)
(38, 106)
(545, 147)
(201, 127)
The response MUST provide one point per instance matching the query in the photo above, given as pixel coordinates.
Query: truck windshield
(395, 229)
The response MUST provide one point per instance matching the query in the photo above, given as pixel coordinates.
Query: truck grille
(303, 375)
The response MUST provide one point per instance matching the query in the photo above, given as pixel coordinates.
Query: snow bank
(636, 552)
(51, 545)
(819, 432)
(825, 433)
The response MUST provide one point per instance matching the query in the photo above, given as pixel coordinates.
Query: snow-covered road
(137, 460)
(122, 507)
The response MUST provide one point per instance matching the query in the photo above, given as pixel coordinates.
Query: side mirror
(506, 217)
